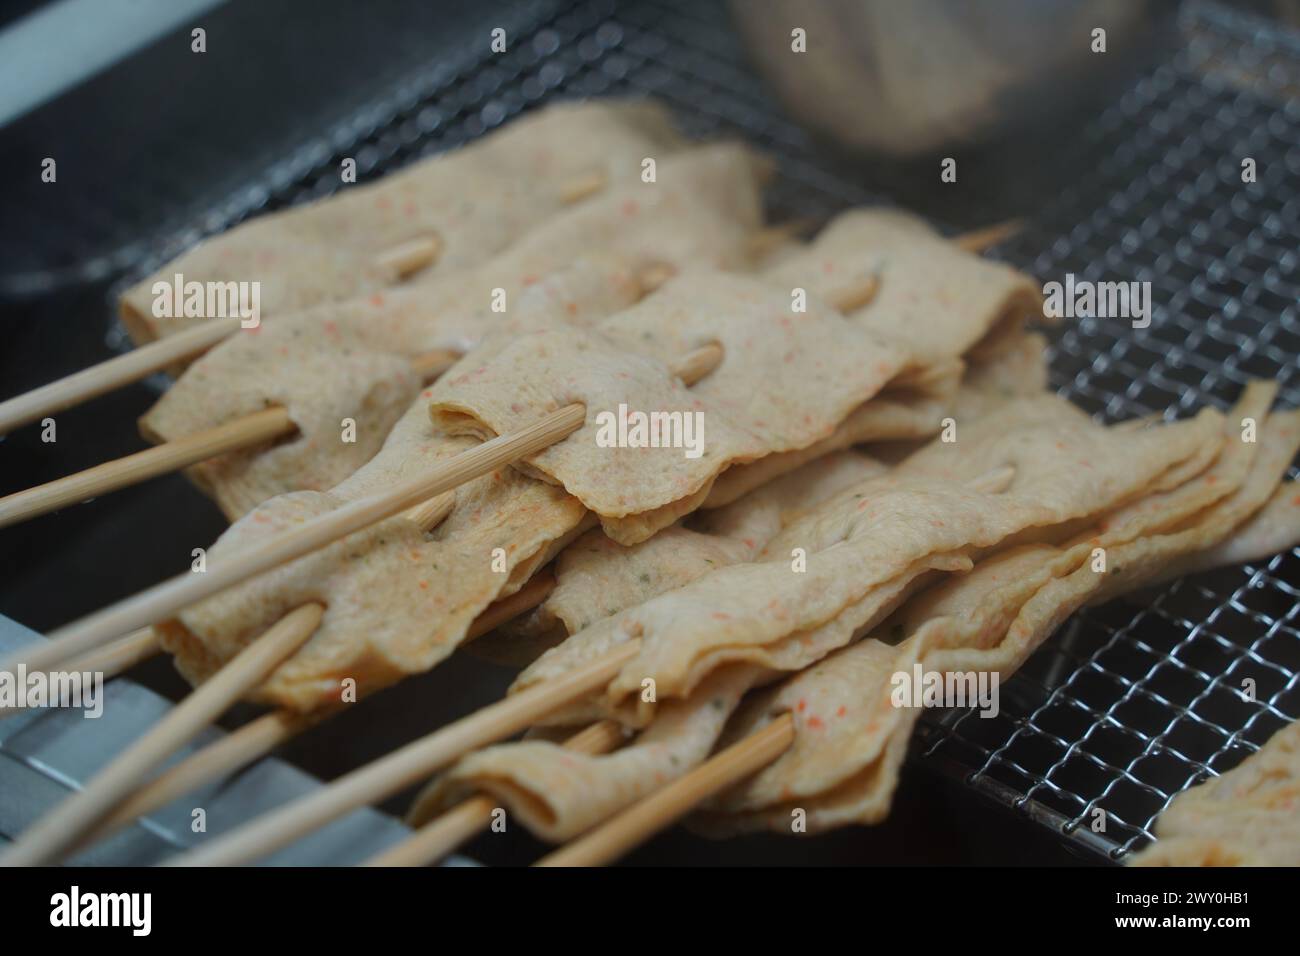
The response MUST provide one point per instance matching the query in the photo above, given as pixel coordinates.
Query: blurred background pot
(904, 79)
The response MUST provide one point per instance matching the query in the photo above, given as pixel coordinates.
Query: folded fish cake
(766, 613)
(474, 201)
(945, 307)
(785, 380)
(1245, 817)
(850, 737)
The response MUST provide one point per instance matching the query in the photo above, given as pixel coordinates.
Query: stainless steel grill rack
(1134, 702)
(1131, 702)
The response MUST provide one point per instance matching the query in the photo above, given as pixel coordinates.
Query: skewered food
(851, 733)
(764, 555)
(231, 620)
(863, 553)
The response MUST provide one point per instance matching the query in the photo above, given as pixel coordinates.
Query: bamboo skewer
(767, 241)
(407, 765)
(580, 187)
(121, 655)
(259, 737)
(61, 829)
(662, 809)
(225, 756)
(848, 300)
(407, 258)
(255, 428)
(474, 814)
(977, 240)
(165, 599)
(106, 376)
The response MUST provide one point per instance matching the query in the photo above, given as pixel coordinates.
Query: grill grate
(1130, 703)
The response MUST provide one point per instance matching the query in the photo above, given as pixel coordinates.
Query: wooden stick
(652, 277)
(531, 595)
(977, 240)
(429, 515)
(634, 825)
(165, 599)
(693, 366)
(259, 737)
(235, 750)
(471, 816)
(121, 655)
(408, 765)
(244, 432)
(771, 238)
(59, 830)
(853, 298)
(254, 429)
(580, 187)
(432, 364)
(114, 373)
(408, 258)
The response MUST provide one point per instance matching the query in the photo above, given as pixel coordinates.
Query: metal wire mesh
(1131, 702)
(1136, 702)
